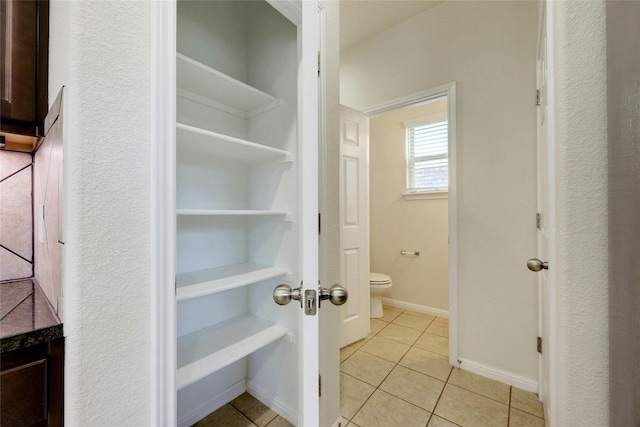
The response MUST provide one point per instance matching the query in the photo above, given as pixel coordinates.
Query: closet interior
(238, 204)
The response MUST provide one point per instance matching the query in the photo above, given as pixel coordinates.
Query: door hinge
(319, 385)
(539, 221)
(318, 63)
(319, 223)
(538, 97)
(539, 345)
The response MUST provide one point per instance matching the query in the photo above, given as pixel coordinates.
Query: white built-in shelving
(205, 351)
(204, 282)
(206, 85)
(207, 143)
(231, 212)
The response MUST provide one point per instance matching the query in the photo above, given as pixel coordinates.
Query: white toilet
(378, 284)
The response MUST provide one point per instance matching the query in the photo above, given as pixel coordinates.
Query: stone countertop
(26, 317)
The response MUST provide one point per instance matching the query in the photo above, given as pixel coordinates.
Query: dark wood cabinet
(31, 385)
(24, 47)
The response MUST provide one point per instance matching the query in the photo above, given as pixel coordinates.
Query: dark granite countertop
(26, 317)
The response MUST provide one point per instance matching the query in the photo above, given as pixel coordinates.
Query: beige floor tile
(433, 343)
(389, 313)
(225, 416)
(438, 328)
(367, 367)
(527, 402)
(470, 409)
(487, 387)
(432, 364)
(399, 333)
(352, 424)
(353, 394)
(415, 322)
(419, 314)
(253, 409)
(377, 325)
(440, 422)
(279, 422)
(518, 418)
(346, 352)
(442, 320)
(356, 345)
(385, 410)
(386, 349)
(414, 387)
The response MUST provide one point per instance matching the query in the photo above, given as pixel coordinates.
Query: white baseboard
(338, 423)
(505, 377)
(213, 404)
(273, 402)
(416, 307)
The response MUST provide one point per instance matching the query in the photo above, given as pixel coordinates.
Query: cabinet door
(23, 65)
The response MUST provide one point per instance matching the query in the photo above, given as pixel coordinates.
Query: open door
(246, 197)
(544, 215)
(354, 224)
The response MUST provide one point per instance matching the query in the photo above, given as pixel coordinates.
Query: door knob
(337, 294)
(534, 264)
(283, 294)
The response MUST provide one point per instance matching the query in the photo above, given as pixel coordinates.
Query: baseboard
(416, 307)
(273, 402)
(338, 423)
(213, 404)
(505, 377)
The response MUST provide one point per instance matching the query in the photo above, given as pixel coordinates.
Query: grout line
(15, 253)
(16, 172)
(17, 305)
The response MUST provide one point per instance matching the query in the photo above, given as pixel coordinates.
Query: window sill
(427, 196)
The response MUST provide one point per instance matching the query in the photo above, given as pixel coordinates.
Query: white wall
(623, 92)
(413, 225)
(579, 261)
(101, 51)
(489, 50)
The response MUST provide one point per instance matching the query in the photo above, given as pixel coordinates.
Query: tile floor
(400, 376)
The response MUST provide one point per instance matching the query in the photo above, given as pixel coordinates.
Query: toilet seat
(379, 279)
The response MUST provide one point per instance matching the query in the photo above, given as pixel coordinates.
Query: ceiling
(361, 19)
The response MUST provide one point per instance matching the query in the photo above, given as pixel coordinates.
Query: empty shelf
(205, 142)
(203, 352)
(203, 282)
(201, 81)
(230, 212)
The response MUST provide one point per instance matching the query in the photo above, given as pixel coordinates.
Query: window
(427, 156)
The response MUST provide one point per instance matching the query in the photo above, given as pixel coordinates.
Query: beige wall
(489, 50)
(396, 223)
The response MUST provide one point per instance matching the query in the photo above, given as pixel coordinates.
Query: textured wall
(579, 267)
(489, 50)
(623, 92)
(100, 50)
(413, 225)
(16, 224)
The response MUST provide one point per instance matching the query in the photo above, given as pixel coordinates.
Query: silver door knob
(283, 294)
(534, 264)
(337, 294)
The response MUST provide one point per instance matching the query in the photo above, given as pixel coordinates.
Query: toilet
(378, 283)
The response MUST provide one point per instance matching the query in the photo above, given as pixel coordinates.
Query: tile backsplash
(16, 215)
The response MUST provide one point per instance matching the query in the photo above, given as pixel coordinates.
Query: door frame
(163, 406)
(447, 90)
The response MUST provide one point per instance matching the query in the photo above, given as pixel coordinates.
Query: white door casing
(354, 224)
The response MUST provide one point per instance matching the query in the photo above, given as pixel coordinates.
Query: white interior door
(545, 226)
(354, 224)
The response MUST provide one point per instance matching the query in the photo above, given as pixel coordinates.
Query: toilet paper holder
(403, 252)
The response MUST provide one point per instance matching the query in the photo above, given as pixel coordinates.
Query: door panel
(354, 224)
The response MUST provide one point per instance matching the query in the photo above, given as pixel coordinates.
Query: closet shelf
(206, 143)
(203, 352)
(203, 282)
(231, 212)
(205, 84)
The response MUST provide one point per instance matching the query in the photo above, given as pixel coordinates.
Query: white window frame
(423, 193)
